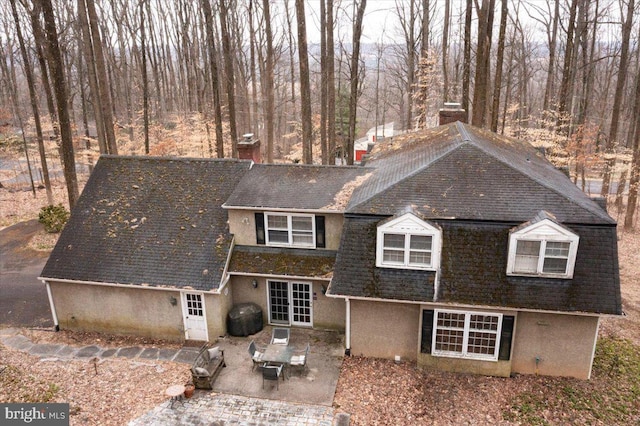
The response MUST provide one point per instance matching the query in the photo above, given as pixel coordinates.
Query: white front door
(195, 322)
(290, 303)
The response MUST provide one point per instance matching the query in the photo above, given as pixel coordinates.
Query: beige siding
(328, 313)
(563, 344)
(242, 225)
(119, 310)
(384, 330)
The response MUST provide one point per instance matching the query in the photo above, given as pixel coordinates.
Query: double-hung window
(407, 249)
(408, 242)
(544, 248)
(466, 334)
(294, 230)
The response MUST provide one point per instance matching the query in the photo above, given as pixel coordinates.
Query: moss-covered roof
(281, 261)
(150, 222)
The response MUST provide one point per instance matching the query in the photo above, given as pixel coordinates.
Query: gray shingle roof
(282, 261)
(296, 186)
(149, 221)
(458, 171)
(355, 272)
(474, 263)
(473, 270)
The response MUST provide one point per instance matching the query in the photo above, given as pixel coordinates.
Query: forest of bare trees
(189, 78)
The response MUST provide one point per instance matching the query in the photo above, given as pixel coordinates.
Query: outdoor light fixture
(254, 283)
(173, 301)
(324, 289)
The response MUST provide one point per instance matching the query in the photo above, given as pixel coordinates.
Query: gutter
(280, 209)
(134, 286)
(347, 330)
(454, 305)
(287, 277)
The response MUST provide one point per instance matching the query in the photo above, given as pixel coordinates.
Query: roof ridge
(165, 158)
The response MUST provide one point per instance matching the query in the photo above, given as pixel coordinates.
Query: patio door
(290, 303)
(195, 322)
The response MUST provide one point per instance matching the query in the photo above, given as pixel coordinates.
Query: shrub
(53, 218)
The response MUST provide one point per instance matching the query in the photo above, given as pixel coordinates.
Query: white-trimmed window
(293, 230)
(462, 334)
(544, 248)
(408, 242)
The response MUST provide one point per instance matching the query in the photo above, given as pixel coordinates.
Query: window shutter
(320, 243)
(427, 331)
(260, 228)
(506, 337)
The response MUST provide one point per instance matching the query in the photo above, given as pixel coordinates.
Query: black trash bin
(244, 319)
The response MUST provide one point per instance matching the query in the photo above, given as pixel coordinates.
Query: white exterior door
(301, 304)
(290, 303)
(195, 321)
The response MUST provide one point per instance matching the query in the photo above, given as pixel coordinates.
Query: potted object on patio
(189, 388)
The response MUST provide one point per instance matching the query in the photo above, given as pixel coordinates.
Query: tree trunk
(466, 63)
(103, 82)
(268, 81)
(54, 58)
(305, 87)
(145, 79)
(634, 180)
(495, 109)
(215, 85)
(445, 51)
(229, 77)
(355, 79)
(567, 71)
(323, 82)
(331, 85)
(483, 56)
(34, 104)
(552, 58)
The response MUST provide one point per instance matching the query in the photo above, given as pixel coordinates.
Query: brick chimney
(249, 148)
(451, 113)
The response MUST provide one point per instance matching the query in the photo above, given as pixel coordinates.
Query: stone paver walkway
(221, 409)
(204, 408)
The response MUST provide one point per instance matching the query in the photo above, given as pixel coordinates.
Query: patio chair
(256, 354)
(271, 372)
(299, 359)
(280, 336)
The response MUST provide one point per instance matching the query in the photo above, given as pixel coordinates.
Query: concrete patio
(315, 385)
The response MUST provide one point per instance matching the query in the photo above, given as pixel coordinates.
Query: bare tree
(56, 65)
(355, 78)
(495, 109)
(229, 76)
(617, 99)
(34, 104)
(481, 80)
(269, 101)
(305, 87)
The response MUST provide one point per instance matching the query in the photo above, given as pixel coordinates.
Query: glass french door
(290, 303)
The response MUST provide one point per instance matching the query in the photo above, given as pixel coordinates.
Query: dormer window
(542, 248)
(408, 242)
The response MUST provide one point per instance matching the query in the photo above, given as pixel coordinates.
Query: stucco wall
(242, 225)
(328, 313)
(384, 330)
(217, 307)
(117, 310)
(562, 343)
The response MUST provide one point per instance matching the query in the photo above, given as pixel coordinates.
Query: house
(467, 251)
(451, 247)
(374, 134)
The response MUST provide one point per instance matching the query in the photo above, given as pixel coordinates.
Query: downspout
(347, 331)
(53, 307)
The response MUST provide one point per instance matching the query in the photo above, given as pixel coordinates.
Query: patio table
(279, 354)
